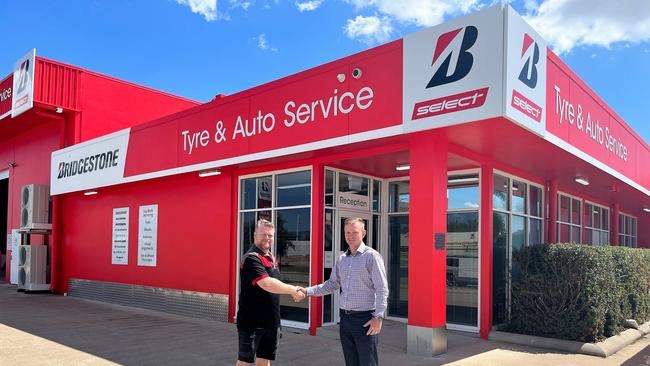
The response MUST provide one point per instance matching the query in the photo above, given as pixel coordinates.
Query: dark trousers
(359, 349)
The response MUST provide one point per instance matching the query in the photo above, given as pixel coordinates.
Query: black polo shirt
(257, 308)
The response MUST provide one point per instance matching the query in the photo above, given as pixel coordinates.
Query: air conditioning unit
(35, 207)
(32, 271)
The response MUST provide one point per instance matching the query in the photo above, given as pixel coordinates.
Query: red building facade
(457, 145)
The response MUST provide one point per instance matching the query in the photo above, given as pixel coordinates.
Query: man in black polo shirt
(258, 317)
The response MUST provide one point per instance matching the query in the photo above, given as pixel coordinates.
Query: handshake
(299, 294)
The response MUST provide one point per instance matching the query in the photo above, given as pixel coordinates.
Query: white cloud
(470, 205)
(263, 44)
(419, 12)
(240, 4)
(369, 29)
(207, 8)
(308, 5)
(567, 24)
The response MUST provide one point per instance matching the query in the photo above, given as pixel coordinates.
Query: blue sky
(200, 48)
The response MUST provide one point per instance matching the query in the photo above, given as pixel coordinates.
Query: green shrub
(578, 292)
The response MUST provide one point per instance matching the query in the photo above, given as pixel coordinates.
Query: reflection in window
(518, 197)
(596, 221)
(398, 197)
(500, 254)
(462, 268)
(376, 196)
(463, 197)
(627, 235)
(398, 231)
(349, 183)
(518, 222)
(329, 188)
(569, 219)
(500, 195)
(535, 200)
(293, 189)
(293, 230)
(256, 193)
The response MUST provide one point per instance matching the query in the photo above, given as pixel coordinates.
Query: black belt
(350, 312)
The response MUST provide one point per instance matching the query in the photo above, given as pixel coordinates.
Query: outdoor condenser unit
(32, 271)
(34, 213)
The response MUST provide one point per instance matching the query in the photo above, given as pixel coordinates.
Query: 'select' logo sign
(453, 72)
(23, 84)
(452, 61)
(529, 53)
(453, 46)
(525, 75)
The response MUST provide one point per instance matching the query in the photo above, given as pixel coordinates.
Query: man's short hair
(264, 223)
(354, 220)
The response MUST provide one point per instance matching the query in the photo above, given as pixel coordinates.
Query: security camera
(356, 73)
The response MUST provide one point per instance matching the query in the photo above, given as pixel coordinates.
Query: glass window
(376, 196)
(500, 194)
(264, 192)
(329, 188)
(535, 232)
(462, 268)
(463, 197)
(596, 220)
(375, 232)
(293, 228)
(329, 230)
(398, 235)
(248, 188)
(596, 214)
(398, 196)
(535, 200)
(500, 267)
(353, 184)
(565, 207)
(576, 207)
(627, 231)
(518, 197)
(293, 189)
(589, 209)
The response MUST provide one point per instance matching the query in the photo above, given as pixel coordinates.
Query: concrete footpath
(44, 329)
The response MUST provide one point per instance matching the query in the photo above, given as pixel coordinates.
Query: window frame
(273, 174)
(600, 230)
(570, 224)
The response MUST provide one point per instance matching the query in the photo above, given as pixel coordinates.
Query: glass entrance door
(339, 247)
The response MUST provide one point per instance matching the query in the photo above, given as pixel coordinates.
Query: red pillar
(317, 220)
(427, 261)
(552, 211)
(487, 186)
(613, 225)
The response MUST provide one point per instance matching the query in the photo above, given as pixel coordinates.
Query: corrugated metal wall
(57, 85)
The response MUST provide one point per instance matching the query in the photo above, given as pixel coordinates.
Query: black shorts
(260, 343)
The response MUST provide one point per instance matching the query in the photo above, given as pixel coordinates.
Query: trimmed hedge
(579, 292)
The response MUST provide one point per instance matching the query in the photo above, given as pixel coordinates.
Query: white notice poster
(148, 236)
(15, 247)
(120, 236)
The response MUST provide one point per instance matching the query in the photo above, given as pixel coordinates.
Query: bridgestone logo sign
(89, 164)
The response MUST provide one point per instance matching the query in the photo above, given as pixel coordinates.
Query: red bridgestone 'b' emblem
(528, 74)
(451, 103)
(459, 52)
